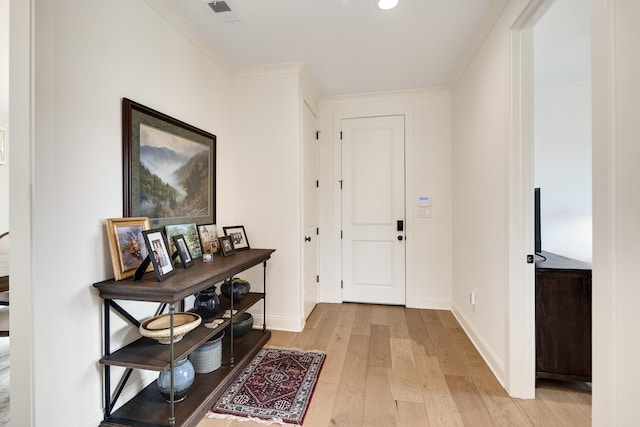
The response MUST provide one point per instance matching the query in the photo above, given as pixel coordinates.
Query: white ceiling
(348, 46)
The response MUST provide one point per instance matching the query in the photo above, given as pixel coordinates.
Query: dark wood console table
(563, 319)
(148, 408)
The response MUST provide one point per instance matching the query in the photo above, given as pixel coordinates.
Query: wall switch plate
(423, 212)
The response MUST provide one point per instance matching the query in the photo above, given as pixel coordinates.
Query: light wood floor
(392, 366)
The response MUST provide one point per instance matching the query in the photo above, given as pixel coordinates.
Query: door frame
(404, 199)
(354, 108)
(306, 105)
(521, 349)
(22, 112)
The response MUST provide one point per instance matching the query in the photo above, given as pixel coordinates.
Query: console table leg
(107, 352)
(264, 298)
(172, 415)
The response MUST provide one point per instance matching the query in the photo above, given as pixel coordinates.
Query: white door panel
(366, 273)
(372, 204)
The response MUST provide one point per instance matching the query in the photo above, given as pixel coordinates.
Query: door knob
(400, 238)
(307, 238)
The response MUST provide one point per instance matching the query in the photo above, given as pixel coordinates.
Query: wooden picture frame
(158, 250)
(226, 246)
(238, 236)
(169, 168)
(183, 250)
(208, 240)
(126, 244)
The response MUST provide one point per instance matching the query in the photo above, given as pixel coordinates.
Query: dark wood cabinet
(148, 408)
(563, 318)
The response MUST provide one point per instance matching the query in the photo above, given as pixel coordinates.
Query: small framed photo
(126, 244)
(226, 246)
(183, 250)
(159, 253)
(238, 236)
(208, 241)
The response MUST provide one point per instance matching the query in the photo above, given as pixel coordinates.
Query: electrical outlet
(472, 298)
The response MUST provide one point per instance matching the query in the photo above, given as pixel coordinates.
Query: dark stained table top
(559, 262)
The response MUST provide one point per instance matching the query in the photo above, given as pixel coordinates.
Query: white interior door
(310, 170)
(373, 248)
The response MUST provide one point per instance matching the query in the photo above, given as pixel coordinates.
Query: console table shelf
(184, 283)
(148, 408)
(147, 353)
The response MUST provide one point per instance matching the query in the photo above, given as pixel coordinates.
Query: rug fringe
(243, 419)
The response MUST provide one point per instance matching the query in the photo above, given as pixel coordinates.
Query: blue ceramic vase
(183, 376)
(238, 286)
(207, 303)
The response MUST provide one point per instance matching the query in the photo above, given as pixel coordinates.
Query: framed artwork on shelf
(226, 246)
(208, 240)
(126, 244)
(183, 250)
(158, 249)
(190, 233)
(238, 236)
(169, 168)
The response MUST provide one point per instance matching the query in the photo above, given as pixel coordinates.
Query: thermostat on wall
(424, 201)
(423, 209)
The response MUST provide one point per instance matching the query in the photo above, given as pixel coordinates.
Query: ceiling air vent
(223, 11)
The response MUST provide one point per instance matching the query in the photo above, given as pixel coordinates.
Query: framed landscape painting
(169, 168)
(190, 234)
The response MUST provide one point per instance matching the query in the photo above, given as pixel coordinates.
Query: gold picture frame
(127, 245)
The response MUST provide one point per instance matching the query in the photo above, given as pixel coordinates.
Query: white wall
(88, 56)
(266, 170)
(84, 66)
(562, 128)
(616, 208)
(428, 171)
(562, 153)
(481, 106)
(4, 111)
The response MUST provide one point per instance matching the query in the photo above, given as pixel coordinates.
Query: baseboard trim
(495, 364)
(430, 304)
(278, 323)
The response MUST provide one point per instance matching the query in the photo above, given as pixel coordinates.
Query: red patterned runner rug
(276, 387)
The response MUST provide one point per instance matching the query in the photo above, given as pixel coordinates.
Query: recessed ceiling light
(387, 4)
